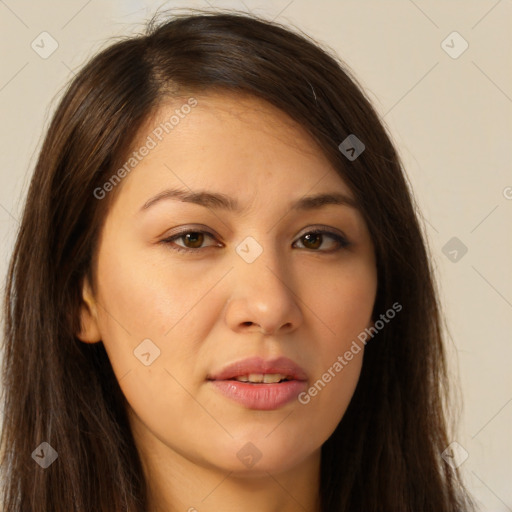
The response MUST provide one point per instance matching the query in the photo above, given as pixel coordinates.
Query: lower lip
(262, 397)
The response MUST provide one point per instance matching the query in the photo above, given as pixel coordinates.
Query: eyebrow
(221, 201)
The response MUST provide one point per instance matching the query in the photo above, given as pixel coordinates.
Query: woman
(217, 231)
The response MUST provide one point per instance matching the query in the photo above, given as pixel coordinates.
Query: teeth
(267, 378)
(271, 378)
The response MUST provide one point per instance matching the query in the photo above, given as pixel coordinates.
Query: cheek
(141, 301)
(344, 306)
(325, 401)
(344, 301)
(148, 310)
(147, 299)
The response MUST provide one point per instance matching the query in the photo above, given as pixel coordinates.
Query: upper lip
(281, 365)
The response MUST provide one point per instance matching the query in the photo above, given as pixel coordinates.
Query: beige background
(450, 117)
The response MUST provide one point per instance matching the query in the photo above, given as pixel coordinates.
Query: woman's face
(252, 280)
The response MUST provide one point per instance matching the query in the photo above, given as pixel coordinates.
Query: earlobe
(89, 331)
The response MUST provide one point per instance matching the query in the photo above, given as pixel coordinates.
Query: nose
(263, 297)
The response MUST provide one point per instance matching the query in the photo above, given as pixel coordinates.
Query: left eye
(312, 240)
(195, 239)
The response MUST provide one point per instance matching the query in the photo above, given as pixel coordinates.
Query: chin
(259, 455)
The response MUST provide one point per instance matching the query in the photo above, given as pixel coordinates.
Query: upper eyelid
(207, 231)
(204, 229)
(319, 228)
(180, 234)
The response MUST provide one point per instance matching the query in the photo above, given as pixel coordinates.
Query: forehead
(238, 113)
(224, 141)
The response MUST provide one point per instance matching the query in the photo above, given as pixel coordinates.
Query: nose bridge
(262, 291)
(260, 266)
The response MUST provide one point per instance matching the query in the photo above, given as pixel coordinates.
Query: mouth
(260, 385)
(263, 378)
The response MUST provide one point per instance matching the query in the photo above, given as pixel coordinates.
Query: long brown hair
(385, 454)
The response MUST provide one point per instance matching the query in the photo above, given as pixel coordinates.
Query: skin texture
(204, 310)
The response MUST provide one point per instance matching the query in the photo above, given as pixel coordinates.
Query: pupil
(317, 237)
(195, 238)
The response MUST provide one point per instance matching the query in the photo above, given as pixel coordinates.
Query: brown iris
(195, 239)
(317, 240)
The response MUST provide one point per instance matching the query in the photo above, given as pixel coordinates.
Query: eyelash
(343, 243)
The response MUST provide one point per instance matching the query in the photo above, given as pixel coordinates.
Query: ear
(89, 331)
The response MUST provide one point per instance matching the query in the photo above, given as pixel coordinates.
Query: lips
(257, 365)
(260, 396)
